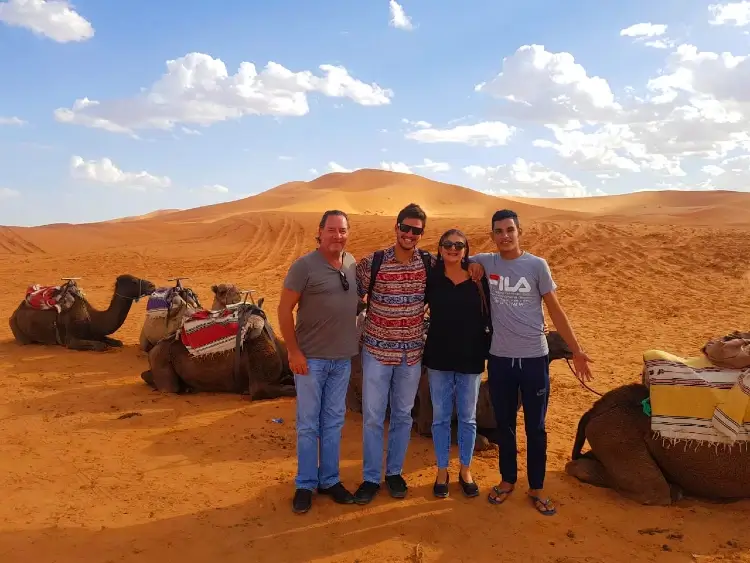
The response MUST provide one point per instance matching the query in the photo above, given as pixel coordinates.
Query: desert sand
(210, 477)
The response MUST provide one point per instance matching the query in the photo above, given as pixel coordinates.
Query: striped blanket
(695, 400)
(212, 332)
(49, 297)
(160, 301)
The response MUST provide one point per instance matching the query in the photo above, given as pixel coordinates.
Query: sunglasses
(344, 281)
(406, 228)
(448, 244)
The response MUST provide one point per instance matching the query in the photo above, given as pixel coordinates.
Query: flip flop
(544, 502)
(499, 499)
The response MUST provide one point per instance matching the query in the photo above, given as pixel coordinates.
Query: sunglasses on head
(344, 281)
(406, 228)
(448, 244)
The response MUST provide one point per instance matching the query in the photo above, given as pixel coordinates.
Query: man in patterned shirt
(393, 340)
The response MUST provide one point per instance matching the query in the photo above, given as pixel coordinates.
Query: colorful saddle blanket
(159, 301)
(695, 400)
(49, 297)
(212, 332)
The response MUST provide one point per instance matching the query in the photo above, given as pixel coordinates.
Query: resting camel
(627, 457)
(260, 370)
(422, 411)
(182, 304)
(81, 326)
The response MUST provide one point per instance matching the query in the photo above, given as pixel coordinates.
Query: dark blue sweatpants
(505, 377)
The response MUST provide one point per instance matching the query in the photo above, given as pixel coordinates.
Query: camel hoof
(482, 444)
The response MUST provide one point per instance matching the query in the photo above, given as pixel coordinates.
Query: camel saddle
(213, 332)
(44, 298)
(729, 351)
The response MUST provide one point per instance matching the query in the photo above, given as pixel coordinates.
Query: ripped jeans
(505, 377)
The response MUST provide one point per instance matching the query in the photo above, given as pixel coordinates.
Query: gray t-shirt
(516, 290)
(326, 324)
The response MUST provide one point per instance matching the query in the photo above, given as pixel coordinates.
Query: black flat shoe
(338, 493)
(302, 501)
(469, 489)
(440, 490)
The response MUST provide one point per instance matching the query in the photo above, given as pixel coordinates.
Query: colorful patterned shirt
(395, 316)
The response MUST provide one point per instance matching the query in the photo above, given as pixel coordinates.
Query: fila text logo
(503, 284)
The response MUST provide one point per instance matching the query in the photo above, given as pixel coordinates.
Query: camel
(259, 370)
(179, 304)
(627, 457)
(79, 326)
(225, 294)
(422, 411)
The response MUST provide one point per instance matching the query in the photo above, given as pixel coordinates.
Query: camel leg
(86, 345)
(267, 392)
(113, 342)
(20, 337)
(148, 377)
(617, 440)
(589, 470)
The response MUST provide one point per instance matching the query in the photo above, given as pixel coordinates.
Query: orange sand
(210, 478)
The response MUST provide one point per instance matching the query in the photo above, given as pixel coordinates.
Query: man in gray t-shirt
(321, 344)
(519, 283)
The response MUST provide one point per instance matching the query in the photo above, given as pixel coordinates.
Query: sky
(112, 109)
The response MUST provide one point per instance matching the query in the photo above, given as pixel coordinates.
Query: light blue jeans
(447, 388)
(321, 408)
(381, 383)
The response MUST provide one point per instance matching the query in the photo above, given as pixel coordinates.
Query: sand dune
(205, 477)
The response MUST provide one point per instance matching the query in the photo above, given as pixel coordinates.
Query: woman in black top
(455, 352)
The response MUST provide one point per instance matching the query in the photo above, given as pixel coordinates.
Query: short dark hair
(334, 212)
(412, 211)
(505, 214)
(325, 217)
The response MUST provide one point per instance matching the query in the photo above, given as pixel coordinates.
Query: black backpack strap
(377, 260)
(426, 259)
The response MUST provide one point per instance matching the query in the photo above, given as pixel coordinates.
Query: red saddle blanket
(43, 297)
(210, 332)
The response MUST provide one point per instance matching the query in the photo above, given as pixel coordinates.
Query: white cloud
(104, 171)
(544, 87)
(399, 19)
(534, 179)
(7, 193)
(427, 164)
(336, 167)
(644, 30)
(197, 89)
(488, 134)
(284, 157)
(55, 19)
(216, 189)
(314, 171)
(697, 108)
(11, 121)
(732, 13)
(420, 124)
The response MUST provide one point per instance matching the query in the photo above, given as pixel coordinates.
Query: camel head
(558, 349)
(225, 294)
(256, 321)
(133, 288)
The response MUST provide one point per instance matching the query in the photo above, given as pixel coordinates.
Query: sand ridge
(202, 477)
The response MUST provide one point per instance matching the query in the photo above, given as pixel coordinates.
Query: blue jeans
(447, 387)
(321, 408)
(531, 376)
(381, 382)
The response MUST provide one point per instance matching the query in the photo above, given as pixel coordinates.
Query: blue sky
(570, 104)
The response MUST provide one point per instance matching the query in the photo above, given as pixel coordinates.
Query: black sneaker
(302, 501)
(396, 485)
(366, 492)
(338, 493)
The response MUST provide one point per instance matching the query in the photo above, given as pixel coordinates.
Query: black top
(456, 339)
